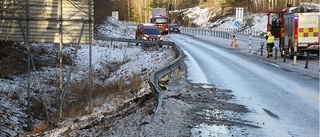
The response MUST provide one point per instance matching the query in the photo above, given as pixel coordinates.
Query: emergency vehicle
(161, 19)
(296, 27)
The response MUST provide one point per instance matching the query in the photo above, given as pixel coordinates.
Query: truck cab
(162, 22)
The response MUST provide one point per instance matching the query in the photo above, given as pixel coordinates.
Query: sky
(104, 53)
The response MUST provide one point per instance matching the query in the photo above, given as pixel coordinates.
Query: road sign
(237, 23)
(239, 13)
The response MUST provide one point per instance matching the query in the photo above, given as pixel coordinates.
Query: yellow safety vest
(270, 38)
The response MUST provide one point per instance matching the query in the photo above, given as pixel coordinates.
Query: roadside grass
(14, 60)
(78, 97)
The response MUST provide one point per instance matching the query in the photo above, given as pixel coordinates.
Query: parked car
(174, 28)
(148, 32)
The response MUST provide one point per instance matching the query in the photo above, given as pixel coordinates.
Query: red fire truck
(161, 19)
(296, 27)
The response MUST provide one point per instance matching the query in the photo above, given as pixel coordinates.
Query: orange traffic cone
(235, 43)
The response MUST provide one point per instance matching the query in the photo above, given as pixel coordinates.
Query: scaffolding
(48, 21)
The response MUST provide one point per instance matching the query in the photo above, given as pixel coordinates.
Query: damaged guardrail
(159, 73)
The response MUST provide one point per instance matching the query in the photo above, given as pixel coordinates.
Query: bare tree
(102, 9)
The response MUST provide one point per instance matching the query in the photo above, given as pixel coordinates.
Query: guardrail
(159, 73)
(220, 31)
(142, 42)
(200, 31)
(225, 33)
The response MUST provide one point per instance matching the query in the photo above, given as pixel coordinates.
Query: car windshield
(161, 20)
(152, 31)
(174, 26)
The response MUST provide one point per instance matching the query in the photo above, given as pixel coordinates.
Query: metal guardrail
(159, 73)
(200, 31)
(225, 33)
(142, 42)
(219, 32)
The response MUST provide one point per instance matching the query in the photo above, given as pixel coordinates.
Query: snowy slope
(13, 92)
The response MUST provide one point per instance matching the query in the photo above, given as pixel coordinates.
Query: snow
(13, 119)
(202, 16)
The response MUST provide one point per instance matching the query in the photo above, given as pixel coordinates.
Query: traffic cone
(235, 43)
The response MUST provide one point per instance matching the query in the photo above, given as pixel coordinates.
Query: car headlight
(145, 37)
(160, 38)
(167, 29)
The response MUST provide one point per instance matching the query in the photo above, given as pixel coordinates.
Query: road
(286, 103)
(220, 91)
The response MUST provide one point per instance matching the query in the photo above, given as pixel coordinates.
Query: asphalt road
(284, 102)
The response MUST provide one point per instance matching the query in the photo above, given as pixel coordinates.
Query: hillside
(212, 18)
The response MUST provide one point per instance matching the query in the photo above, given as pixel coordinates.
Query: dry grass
(77, 99)
(13, 60)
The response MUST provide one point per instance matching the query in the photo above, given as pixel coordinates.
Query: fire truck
(161, 19)
(296, 27)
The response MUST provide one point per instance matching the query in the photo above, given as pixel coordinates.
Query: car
(174, 28)
(148, 32)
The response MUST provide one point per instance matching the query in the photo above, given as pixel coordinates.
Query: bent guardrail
(159, 73)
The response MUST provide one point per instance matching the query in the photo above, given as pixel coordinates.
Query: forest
(140, 10)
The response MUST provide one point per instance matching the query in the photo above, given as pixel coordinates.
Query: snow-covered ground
(135, 61)
(201, 17)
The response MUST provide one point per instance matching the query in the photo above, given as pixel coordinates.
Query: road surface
(285, 103)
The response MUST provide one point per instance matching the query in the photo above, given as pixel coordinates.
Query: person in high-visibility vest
(270, 43)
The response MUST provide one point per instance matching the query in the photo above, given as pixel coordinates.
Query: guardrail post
(158, 44)
(285, 55)
(250, 43)
(307, 60)
(295, 50)
(128, 42)
(142, 43)
(261, 50)
(275, 53)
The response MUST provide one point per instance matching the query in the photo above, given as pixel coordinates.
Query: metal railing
(159, 73)
(219, 32)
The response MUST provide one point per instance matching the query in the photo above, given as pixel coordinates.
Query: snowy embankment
(130, 60)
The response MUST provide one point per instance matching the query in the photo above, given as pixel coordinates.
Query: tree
(102, 9)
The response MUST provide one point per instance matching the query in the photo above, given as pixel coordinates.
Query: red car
(148, 32)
